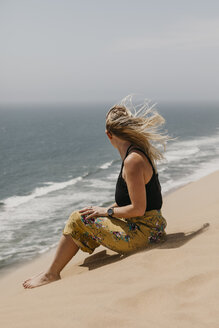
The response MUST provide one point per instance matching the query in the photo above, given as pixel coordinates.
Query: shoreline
(176, 279)
(17, 265)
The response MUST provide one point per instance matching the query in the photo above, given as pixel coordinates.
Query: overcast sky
(59, 51)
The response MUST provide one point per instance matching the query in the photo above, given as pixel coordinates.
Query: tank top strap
(127, 151)
(143, 153)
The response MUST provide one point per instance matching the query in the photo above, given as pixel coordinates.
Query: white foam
(161, 169)
(196, 148)
(201, 171)
(198, 142)
(112, 176)
(174, 155)
(106, 165)
(100, 184)
(15, 201)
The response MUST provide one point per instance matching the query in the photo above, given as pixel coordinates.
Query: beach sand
(175, 284)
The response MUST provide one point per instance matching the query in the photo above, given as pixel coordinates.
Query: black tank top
(153, 188)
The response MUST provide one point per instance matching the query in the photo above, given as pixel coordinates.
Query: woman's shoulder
(135, 157)
(136, 162)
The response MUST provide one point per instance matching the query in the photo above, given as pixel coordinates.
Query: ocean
(56, 159)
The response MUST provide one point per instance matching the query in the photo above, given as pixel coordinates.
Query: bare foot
(36, 275)
(41, 279)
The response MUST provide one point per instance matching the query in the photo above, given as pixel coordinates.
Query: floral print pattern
(119, 234)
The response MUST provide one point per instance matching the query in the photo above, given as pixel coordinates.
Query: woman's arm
(134, 176)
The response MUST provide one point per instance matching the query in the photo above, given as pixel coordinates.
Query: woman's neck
(122, 148)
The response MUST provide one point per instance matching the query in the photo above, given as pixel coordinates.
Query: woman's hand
(93, 211)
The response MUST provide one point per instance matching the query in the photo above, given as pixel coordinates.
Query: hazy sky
(96, 50)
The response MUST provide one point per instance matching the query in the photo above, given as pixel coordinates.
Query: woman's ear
(109, 134)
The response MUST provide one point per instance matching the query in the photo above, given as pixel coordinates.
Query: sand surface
(174, 285)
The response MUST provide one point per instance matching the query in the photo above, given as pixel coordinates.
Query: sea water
(57, 159)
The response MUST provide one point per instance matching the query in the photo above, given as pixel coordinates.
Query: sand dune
(175, 284)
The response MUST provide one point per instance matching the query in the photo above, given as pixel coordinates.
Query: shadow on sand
(173, 240)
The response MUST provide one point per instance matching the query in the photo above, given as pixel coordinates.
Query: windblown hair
(140, 128)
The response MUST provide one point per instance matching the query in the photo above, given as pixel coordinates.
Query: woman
(134, 221)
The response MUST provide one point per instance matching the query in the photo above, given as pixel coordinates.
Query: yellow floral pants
(118, 234)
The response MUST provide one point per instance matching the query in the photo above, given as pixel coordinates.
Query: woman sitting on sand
(134, 221)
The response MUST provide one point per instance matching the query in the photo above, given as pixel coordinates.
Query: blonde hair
(140, 127)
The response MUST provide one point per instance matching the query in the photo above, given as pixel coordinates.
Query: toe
(26, 280)
(26, 285)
